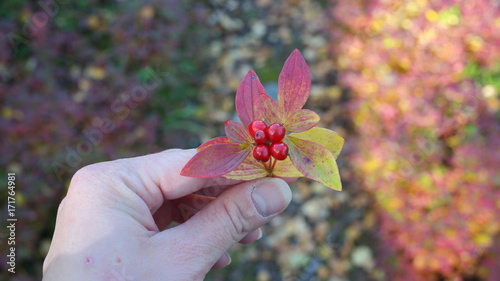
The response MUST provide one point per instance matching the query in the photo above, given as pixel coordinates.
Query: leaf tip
(337, 188)
(252, 73)
(296, 53)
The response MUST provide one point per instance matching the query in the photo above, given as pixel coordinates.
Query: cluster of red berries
(268, 141)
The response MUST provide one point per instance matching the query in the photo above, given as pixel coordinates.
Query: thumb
(230, 217)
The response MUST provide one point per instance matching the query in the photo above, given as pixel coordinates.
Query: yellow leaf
(327, 138)
(314, 161)
(7, 112)
(286, 168)
(483, 240)
(96, 72)
(93, 22)
(431, 15)
(147, 12)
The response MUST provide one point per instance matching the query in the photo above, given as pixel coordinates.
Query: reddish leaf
(294, 84)
(270, 112)
(237, 132)
(314, 161)
(216, 160)
(211, 142)
(249, 169)
(301, 121)
(247, 102)
(327, 138)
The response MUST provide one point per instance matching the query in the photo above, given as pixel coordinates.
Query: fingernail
(228, 259)
(260, 234)
(271, 196)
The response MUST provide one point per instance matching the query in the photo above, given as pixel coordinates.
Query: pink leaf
(217, 140)
(314, 161)
(216, 160)
(301, 121)
(249, 169)
(294, 84)
(237, 132)
(247, 102)
(270, 112)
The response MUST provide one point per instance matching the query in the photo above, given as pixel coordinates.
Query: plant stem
(265, 166)
(274, 164)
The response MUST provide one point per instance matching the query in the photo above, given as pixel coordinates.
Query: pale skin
(113, 223)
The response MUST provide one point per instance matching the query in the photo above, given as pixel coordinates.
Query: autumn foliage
(87, 85)
(428, 132)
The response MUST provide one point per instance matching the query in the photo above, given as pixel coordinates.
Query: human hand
(112, 223)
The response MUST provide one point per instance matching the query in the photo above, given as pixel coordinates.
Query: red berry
(260, 137)
(275, 132)
(256, 126)
(261, 153)
(279, 150)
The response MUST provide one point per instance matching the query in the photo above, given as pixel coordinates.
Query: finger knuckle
(238, 218)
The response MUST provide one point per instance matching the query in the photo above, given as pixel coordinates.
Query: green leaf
(314, 161)
(237, 132)
(294, 84)
(327, 138)
(216, 160)
(247, 102)
(302, 120)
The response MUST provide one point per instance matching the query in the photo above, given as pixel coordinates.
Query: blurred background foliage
(425, 108)
(411, 85)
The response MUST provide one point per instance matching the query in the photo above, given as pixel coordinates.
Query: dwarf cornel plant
(273, 139)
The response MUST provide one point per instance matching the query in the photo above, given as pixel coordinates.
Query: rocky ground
(323, 234)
